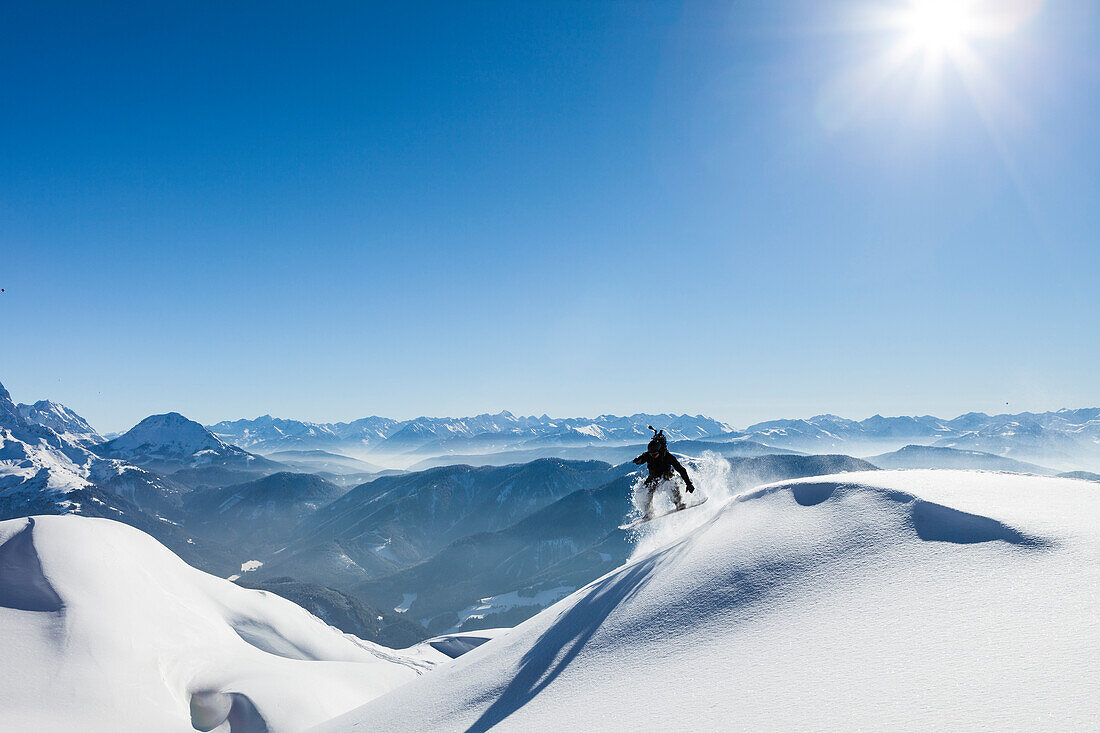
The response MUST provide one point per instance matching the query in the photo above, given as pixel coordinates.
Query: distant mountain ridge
(1068, 438)
(926, 426)
(927, 456)
(231, 452)
(40, 465)
(478, 433)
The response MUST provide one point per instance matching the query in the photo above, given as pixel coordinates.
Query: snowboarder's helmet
(659, 444)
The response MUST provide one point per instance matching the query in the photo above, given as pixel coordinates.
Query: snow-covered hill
(103, 629)
(905, 600)
(503, 577)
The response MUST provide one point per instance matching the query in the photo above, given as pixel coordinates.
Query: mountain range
(1064, 438)
(40, 465)
(441, 435)
(1067, 439)
(447, 545)
(43, 471)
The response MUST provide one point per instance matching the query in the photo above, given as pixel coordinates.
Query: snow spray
(711, 474)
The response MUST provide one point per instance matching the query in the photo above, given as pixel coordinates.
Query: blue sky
(327, 210)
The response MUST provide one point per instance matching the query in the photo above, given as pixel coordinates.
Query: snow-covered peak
(273, 433)
(168, 434)
(40, 468)
(62, 420)
(170, 442)
(26, 448)
(9, 413)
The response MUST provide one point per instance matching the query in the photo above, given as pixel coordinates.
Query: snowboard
(643, 520)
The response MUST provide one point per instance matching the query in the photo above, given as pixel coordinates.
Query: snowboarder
(661, 463)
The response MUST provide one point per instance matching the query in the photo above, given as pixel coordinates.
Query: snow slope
(903, 600)
(103, 629)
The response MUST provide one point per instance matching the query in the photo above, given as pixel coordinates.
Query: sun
(914, 48)
(938, 26)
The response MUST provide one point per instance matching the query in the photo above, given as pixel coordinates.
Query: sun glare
(938, 26)
(917, 45)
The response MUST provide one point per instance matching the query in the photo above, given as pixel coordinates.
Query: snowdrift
(906, 600)
(103, 629)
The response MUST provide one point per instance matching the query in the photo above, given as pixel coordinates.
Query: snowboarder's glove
(691, 488)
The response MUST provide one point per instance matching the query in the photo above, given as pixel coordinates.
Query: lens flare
(913, 44)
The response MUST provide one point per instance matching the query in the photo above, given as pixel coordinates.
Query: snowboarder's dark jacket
(661, 466)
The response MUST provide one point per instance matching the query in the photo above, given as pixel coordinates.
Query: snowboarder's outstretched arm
(640, 460)
(682, 471)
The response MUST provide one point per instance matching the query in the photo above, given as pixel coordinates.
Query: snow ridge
(876, 601)
(106, 630)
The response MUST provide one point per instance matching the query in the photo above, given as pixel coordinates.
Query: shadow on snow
(562, 642)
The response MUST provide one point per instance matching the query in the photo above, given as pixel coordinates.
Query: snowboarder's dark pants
(654, 482)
